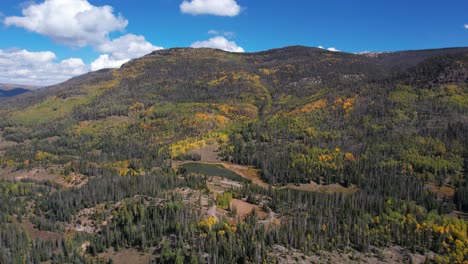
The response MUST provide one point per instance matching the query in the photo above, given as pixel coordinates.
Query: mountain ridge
(295, 151)
(385, 60)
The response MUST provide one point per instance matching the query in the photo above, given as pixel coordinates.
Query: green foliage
(223, 200)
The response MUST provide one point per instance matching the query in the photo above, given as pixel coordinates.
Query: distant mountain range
(10, 86)
(9, 90)
(13, 92)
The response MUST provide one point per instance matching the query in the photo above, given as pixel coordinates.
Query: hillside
(339, 154)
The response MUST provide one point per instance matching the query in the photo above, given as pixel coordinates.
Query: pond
(212, 170)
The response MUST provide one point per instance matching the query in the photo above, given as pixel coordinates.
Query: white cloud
(211, 7)
(37, 68)
(127, 46)
(466, 26)
(77, 23)
(218, 42)
(217, 32)
(329, 49)
(70, 22)
(333, 49)
(106, 61)
(121, 50)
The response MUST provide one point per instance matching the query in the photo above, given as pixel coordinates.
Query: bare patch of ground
(243, 209)
(126, 256)
(314, 187)
(35, 233)
(458, 215)
(84, 222)
(95, 152)
(247, 172)
(38, 174)
(72, 180)
(42, 174)
(441, 191)
(208, 153)
(220, 185)
(393, 254)
(52, 139)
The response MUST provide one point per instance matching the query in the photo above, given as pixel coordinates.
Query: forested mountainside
(203, 156)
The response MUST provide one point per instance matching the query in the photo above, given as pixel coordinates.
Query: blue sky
(45, 42)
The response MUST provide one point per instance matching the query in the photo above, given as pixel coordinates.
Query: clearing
(315, 187)
(126, 255)
(35, 233)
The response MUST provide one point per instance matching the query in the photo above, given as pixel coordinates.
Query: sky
(45, 42)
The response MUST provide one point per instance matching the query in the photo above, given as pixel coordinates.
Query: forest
(203, 156)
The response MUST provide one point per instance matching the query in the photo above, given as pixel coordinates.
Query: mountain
(9, 90)
(339, 154)
(12, 92)
(8, 86)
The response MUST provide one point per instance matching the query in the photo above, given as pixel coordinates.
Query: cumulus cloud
(211, 7)
(77, 23)
(37, 68)
(466, 26)
(106, 61)
(329, 49)
(218, 42)
(121, 50)
(127, 46)
(70, 22)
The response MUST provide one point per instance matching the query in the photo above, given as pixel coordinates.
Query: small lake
(212, 170)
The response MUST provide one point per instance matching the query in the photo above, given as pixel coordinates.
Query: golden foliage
(310, 132)
(123, 168)
(349, 157)
(207, 223)
(450, 233)
(268, 71)
(346, 104)
(324, 227)
(325, 158)
(322, 103)
(190, 144)
(42, 155)
(218, 119)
